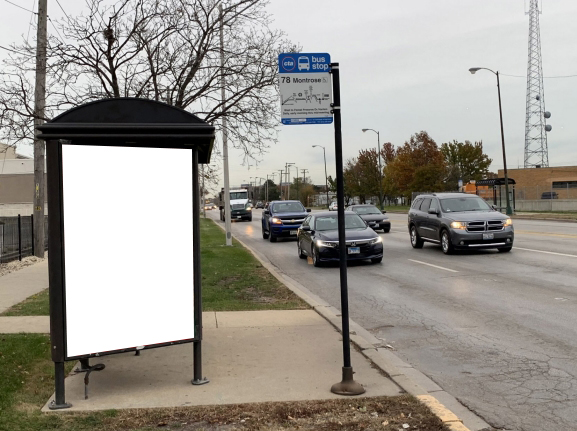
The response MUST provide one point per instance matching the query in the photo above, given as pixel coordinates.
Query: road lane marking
(434, 266)
(559, 235)
(543, 251)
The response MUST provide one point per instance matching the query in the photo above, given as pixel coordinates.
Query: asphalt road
(496, 330)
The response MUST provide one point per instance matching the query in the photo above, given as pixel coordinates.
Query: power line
(31, 18)
(17, 5)
(545, 77)
(62, 9)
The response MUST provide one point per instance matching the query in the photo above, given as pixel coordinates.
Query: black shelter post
(198, 379)
(348, 386)
(56, 270)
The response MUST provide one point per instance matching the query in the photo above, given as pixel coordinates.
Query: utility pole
(203, 194)
(39, 148)
(280, 184)
(304, 171)
(227, 225)
(287, 173)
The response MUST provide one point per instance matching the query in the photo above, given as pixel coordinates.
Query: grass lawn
(232, 280)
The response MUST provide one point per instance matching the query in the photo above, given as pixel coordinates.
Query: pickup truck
(282, 219)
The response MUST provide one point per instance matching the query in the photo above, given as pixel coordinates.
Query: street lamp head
(474, 69)
(364, 130)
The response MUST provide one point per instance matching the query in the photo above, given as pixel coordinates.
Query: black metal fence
(16, 237)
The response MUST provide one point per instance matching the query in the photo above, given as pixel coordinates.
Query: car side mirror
(308, 210)
(266, 212)
(305, 228)
(494, 207)
(433, 211)
(384, 211)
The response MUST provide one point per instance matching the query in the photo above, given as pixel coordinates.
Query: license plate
(293, 232)
(488, 236)
(354, 250)
(238, 216)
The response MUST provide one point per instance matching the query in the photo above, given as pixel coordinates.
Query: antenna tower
(536, 152)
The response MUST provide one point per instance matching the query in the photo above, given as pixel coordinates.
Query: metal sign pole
(347, 386)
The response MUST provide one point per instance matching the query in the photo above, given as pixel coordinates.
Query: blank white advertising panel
(128, 215)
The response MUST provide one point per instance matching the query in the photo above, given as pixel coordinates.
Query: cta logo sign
(288, 64)
(296, 62)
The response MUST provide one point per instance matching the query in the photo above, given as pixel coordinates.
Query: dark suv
(282, 219)
(458, 221)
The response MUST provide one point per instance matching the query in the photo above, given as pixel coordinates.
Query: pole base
(348, 386)
(54, 406)
(198, 382)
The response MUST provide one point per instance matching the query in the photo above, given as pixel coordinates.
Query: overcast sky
(404, 68)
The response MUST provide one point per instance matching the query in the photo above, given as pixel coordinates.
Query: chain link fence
(16, 237)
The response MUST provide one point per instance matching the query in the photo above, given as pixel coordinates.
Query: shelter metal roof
(131, 122)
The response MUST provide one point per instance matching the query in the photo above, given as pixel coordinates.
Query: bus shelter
(124, 236)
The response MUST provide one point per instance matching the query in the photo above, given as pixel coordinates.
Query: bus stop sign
(305, 88)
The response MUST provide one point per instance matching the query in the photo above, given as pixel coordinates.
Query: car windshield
(352, 221)
(464, 204)
(288, 207)
(238, 195)
(366, 210)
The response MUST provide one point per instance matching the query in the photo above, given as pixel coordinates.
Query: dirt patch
(15, 265)
(379, 413)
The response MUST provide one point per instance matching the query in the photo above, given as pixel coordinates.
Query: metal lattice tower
(536, 152)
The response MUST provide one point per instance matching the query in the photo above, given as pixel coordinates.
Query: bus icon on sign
(304, 63)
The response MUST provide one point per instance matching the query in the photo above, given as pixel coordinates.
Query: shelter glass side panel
(128, 247)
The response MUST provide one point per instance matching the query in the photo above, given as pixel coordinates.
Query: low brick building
(559, 182)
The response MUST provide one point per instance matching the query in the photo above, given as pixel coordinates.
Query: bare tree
(165, 50)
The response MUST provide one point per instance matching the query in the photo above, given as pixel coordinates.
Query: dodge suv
(458, 221)
(282, 219)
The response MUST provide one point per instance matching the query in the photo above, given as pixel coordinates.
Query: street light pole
(380, 167)
(326, 176)
(288, 176)
(508, 210)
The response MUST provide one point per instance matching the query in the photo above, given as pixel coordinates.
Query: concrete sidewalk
(16, 286)
(285, 355)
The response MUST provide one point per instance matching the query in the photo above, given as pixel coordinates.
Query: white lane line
(434, 266)
(546, 252)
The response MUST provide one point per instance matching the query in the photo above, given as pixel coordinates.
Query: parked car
(374, 217)
(282, 219)
(549, 195)
(208, 206)
(259, 204)
(333, 206)
(458, 221)
(318, 237)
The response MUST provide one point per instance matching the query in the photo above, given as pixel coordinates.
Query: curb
(404, 375)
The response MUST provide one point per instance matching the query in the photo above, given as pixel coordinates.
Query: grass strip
(232, 280)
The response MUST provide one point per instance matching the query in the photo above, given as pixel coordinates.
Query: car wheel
(300, 250)
(387, 230)
(316, 260)
(505, 249)
(249, 219)
(264, 233)
(446, 244)
(377, 259)
(416, 240)
(271, 237)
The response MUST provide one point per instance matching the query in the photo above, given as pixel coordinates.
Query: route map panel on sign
(305, 88)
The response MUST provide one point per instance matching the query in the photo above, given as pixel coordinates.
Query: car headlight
(327, 244)
(376, 240)
(276, 220)
(508, 222)
(249, 208)
(459, 225)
